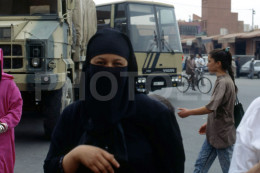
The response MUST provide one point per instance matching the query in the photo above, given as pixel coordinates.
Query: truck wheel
(54, 104)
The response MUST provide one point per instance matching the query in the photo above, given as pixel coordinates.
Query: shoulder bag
(238, 112)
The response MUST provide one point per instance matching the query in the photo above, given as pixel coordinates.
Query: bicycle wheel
(204, 85)
(184, 85)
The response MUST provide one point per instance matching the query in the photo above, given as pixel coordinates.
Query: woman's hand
(94, 158)
(183, 112)
(202, 129)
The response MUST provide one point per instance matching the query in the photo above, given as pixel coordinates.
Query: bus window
(169, 32)
(120, 18)
(103, 16)
(142, 28)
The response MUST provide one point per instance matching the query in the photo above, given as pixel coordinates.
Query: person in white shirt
(199, 65)
(199, 61)
(246, 155)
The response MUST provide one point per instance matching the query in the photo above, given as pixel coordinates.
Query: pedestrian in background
(199, 70)
(246, 155)
(238, 66)
(199, 61)
(184, 63)
(234, 66)
(10, 115)
(251, 69)
(219, 129)
(128, 132)
(190, 70)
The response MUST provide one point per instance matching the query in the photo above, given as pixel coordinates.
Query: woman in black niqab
(120, 132)
(104, 110)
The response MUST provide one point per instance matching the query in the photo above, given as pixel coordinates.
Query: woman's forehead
(109, 57)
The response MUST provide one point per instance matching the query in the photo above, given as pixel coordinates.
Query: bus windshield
(28, 7)
(153, 28)
(168, 28)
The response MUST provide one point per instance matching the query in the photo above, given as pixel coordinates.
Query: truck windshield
(153, 28)
(28, 7)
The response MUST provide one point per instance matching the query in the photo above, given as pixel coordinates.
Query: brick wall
(216, 14)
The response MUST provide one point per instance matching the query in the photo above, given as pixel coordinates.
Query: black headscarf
(105, 112)
(111, 41)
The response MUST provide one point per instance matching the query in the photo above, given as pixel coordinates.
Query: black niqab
(105, 112)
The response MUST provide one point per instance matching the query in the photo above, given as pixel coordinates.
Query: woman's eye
(100, 63)
(118, 64)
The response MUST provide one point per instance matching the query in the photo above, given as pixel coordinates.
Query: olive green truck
(44, 45)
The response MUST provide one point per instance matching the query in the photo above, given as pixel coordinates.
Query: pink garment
(10, 113)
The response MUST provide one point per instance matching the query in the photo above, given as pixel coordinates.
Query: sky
(185, 8)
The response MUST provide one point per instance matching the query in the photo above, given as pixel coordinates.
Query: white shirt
(199, 62)
(247, 147)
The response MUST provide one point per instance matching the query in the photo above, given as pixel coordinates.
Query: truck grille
(9, 51)
(15, 50)
(13, 63)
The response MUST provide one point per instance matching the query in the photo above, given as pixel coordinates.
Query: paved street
(31, 146)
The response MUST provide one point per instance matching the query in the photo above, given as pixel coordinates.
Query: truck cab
(38, 38)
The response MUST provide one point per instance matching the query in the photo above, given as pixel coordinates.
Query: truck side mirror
(70, 4)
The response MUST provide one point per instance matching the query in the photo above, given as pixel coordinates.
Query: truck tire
(54, 104)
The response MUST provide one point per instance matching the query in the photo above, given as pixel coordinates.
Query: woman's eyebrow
(100, 57)
(119, 59)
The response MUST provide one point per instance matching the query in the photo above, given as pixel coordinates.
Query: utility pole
(253, 13)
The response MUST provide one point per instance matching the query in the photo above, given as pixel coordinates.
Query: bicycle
(203, 84)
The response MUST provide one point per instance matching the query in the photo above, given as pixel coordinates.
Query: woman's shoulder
(7, 81)
(162, 100)
(224, 80)
(149, 112)
(8, 84)
(73, 111)
(152, 103)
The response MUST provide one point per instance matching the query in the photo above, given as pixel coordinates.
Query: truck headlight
(35, 62)
(36, 53)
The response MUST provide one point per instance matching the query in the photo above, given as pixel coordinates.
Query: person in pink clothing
(10, 114)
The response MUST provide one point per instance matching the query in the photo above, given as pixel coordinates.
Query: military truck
(44, 45)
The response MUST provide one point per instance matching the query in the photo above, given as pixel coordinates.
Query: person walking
(219, 129)
(115, 129)
(10, 115)
(190, 70)
(238, 66)
(251, 69)
(234, 66)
